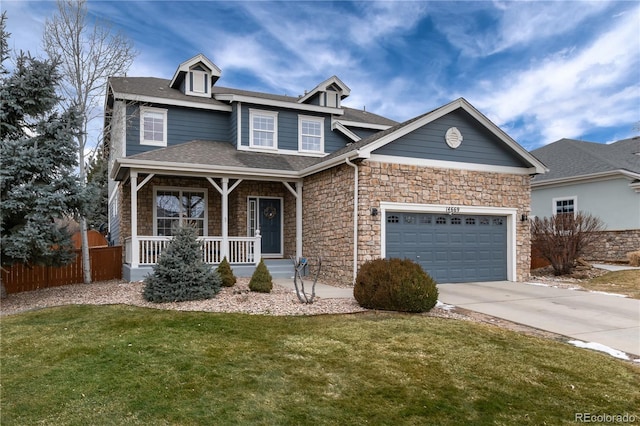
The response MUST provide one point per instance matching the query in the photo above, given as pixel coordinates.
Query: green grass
(124, 365)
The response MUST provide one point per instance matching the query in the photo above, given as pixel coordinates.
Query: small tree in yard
(180, 273)
(226, 273)
(563, 238)
(261, 280)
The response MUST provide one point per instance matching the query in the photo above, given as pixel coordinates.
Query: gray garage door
(451, 248)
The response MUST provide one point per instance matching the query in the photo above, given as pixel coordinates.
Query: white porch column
(298, 194)
(225, 217)
(135, 250)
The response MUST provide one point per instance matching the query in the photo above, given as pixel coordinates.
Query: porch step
(278, 268)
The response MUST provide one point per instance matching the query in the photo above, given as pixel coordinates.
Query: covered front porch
(241, 218)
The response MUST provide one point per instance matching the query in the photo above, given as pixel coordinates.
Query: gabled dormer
(329, 93)
(195, 76)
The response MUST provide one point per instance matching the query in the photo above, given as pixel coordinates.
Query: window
(176, 207)
(198, 81)
(564, 205)
(264, 129)
(311, 134)
(153, 126)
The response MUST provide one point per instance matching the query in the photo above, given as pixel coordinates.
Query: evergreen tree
(261, 280)
(98, 185)
(226, 273)
(37, 163)
(180, 273)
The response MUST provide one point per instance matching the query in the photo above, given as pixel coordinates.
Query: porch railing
(240, 250)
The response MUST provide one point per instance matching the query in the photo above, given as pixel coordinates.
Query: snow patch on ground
(539, 284)
(444, 306)
(552, 286)
(602, 348)
(608, 294)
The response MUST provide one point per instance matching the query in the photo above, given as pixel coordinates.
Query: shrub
(395, 285)
(634, 258)
(226, 274)
(261, 279)
(563, 238)
(180, 273)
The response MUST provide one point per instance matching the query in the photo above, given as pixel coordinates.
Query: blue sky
(540, 70)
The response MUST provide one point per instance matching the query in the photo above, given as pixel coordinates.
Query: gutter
(355, 219)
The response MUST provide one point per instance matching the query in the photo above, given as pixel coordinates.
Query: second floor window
(311, 134)
(153, 126)
(264, 129)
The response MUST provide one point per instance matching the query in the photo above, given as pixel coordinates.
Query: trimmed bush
(395, 285)
(226, 273)
(261, 279)
(180, 273)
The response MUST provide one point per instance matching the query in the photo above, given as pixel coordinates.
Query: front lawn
(127, 365)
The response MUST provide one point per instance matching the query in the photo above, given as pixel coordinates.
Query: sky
(541, 70)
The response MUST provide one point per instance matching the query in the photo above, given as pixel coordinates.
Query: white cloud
(572, 91)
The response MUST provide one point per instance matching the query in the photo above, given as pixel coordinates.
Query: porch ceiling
(214, 157)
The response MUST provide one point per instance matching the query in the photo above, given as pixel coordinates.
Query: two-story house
(273, 176)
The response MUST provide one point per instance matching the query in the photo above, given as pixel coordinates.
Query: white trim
(258, 198)
(554, 201)
(363, 125)
(322, 87)
(337, 125)
(181, 189)
(313, 119)
(189, 63)
(265, 113)
(276, 103)
(281, 151)
(592, 177)
(203, 76)
(392, 159)
(510, 213)
(145, 110)
(171, 102)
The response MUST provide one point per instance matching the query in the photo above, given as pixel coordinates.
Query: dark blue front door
(270, 218)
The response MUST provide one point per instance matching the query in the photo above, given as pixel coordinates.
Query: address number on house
(452, 209)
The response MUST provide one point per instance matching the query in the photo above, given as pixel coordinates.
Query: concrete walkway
(592, 317)
(322, 290)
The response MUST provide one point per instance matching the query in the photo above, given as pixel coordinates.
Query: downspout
(355, 219)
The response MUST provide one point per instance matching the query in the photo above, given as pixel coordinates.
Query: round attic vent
(453, 137)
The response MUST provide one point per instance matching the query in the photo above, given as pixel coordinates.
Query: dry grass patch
(620, 282)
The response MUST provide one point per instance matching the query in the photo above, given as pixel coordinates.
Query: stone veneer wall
(329, 195)
(614, 245)
(327, 227)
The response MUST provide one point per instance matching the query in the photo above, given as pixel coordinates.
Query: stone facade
(614, 245)
(332, 236)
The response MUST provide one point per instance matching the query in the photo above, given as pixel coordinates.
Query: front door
(268, 217)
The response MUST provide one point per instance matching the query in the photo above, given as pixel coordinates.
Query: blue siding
(233, 125)
(114, 224)
(363, 133)
(288, 128)
(478, 145)
(183, 125)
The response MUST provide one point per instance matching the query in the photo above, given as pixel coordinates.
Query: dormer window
(198, 81)
(332, 99)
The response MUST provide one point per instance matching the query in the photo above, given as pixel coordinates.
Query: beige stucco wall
(328, 225)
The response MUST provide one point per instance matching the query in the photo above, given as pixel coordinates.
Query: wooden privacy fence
(106, 264)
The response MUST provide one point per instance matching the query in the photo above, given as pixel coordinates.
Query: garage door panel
(459, 248)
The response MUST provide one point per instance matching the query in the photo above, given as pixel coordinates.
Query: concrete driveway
(592, 317)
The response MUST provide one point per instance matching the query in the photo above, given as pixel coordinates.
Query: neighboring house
(600, 179)
(275, 176)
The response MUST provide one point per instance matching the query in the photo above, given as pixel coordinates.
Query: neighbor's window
(264, 129)
(153, 126)
(176, 207)
(311, 134)
(564, 206)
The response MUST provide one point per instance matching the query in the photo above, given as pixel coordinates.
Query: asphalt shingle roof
(570, 158)
(159, 87)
